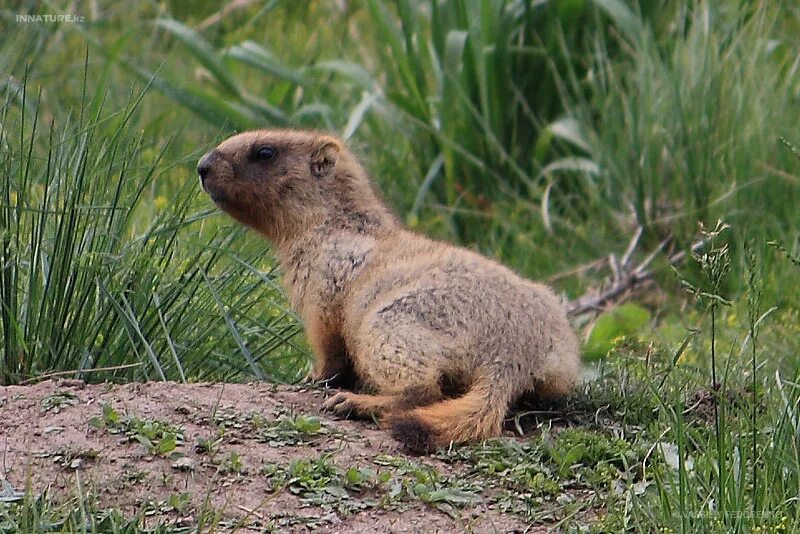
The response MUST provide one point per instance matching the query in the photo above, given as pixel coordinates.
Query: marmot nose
(205, 164)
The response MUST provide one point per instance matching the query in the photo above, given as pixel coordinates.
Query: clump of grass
(87, 282)
(722, 427)
(81, 511)
(78, 514)
(559, 474)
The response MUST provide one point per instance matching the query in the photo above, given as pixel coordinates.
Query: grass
(540, 133)
(91, 278)
(700, 141)
(82, 513)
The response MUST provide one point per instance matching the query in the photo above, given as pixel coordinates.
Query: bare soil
(50, 440)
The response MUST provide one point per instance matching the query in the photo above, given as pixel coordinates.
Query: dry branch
(625, 277)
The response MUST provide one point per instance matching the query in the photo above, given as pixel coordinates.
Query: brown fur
(447, 338)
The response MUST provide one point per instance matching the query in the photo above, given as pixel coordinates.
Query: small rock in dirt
(331, 518)
(184, 464)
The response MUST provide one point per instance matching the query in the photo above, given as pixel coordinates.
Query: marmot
(445, 338)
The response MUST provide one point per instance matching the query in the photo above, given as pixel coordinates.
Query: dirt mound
(251, 457)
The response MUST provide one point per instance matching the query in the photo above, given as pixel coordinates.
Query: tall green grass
(94, 276)
(515, 122)
(738, 468)
(475, 84)
(686, 128)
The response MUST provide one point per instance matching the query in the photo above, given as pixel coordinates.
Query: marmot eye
(266, 153)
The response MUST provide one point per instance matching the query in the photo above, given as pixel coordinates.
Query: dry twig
(624, 277)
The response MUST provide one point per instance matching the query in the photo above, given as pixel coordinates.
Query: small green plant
(159, 437)
(234, 465)
(412, 480)
(291, 430)
(576, 446)
(176, 502)
(715, 264)
(319, 482)
(287, 430)
(208, 445)
(58, 401)
(305, 476)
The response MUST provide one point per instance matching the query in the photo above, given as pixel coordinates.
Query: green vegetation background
(541, 133)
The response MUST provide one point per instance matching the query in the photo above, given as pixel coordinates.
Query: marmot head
(281, 182)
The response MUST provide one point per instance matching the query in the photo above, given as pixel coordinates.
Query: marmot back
(441, 340)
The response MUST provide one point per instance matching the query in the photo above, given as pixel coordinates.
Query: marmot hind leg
(367, 406)
(346, 403)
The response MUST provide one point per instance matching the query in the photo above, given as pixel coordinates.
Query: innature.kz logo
(50, 18)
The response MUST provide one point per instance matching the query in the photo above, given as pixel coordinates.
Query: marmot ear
(324, 157)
